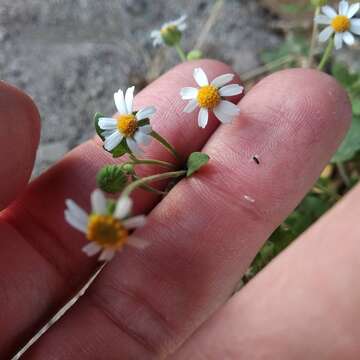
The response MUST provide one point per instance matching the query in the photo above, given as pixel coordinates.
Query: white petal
(142, 138)
(182, 27)
(98, 202)
(354, 8)
(329, 11)
(123, 207)
(135, 222)
(155, 34)
(188, 93)
(137, 242)
(200, 77)
(228, 107)
(108, 133)
(76, 211)
(129, 97)
(106, 255)
(133, 146)
(203, 118)
(145, 112)
(222, 80)
(343, 7)
(322, 20)
(338, 41)
(75, 222)
(107, 123)
(120, 102)
(113, 141)
(348, 38)
(190, 107)
(355, 26)
(325, 34)
(180, 20)
(146, 129)
(231, 90)
(224, 118)
(91, 249)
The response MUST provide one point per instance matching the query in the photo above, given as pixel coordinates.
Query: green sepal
(195, 162)
(97, 116)
(121, 149)
(110, 206)
(144, 122)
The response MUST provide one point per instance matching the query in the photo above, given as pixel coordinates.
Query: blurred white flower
(125, 124)
(209, 97)
(341, 23)
(107, 232)
(170, 32)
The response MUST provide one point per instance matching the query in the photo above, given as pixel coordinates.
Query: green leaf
(351, 144)
(195, 162)
(356, 106)
(97, 116)
(295, 8)
(343, 75)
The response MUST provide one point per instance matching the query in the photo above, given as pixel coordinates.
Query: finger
(19, 138)
(41, 258)
(304, 305)
(204, 233)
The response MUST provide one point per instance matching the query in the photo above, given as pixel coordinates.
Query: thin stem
(327, 55)
(167, 145)
(161, 163)
(343, 174)
(180, 52)
(149, 188)
(267, 67)
(313, 39)
(144, 181)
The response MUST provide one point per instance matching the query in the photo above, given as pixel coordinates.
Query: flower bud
(111, 179)
(171, 35)
(194, 55)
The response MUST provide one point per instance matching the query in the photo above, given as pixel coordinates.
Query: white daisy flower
(106, 232)
(210, 97)
(170, 32)
(125, 124)
(340, 23)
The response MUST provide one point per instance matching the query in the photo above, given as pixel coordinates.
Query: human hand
(203, 236)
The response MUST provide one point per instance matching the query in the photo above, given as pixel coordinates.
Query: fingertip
(19, 138)
(306, 100)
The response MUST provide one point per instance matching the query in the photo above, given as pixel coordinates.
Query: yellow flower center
(126, 124)
(166, 29)
(341, 23)
(106, 231)
(208, 96)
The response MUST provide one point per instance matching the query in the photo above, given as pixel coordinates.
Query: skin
(171, 300)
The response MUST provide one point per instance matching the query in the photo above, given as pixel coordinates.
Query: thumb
(19, 138)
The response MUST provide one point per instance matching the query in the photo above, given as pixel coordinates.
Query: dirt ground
(71, 55)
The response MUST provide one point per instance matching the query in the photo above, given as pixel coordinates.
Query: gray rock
(70, 56)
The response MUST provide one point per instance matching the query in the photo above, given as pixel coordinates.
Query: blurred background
(71, 55)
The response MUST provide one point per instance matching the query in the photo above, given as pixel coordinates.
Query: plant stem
(148, 187)
(144, 181)
(180, 52)
(267, 67)
(313, 39)
(343, 174)
(161, 163)
(327, 55)
(167, 145)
